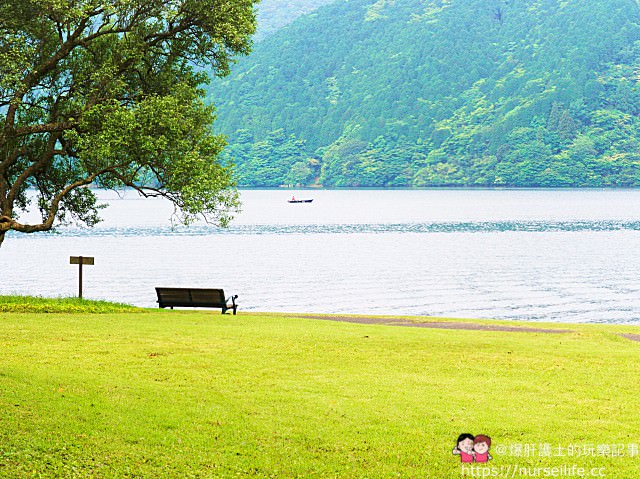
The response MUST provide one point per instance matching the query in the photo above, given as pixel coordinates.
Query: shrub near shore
(199, 394)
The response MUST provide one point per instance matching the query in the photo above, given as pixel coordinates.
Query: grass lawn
(157, 394)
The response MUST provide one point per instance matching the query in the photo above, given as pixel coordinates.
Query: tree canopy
(109, 93)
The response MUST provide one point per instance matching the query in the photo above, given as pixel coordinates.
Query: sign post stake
(80, 260)
(80, 277)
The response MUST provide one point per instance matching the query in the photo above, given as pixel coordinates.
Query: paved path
(631, 336)
(437, 324)
(449, 325)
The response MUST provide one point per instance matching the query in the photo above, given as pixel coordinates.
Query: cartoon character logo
(472, 448)
(481, 445)
(464, 447)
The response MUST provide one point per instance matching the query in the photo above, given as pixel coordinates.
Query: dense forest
(275, 14)
(440, 93)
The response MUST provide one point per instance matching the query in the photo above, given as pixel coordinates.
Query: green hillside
(275, 14)
(440, 92)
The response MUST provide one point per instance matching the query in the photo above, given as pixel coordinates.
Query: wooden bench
(195, 298)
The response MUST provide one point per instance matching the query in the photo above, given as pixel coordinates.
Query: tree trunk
(2, 233)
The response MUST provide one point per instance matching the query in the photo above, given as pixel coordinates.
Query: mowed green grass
(38, 304)
(197, 394)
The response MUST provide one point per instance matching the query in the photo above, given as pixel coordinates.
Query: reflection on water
(530, 255)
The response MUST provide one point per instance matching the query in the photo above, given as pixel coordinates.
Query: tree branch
(46, 157)
(7, 223)
(52, 211)
(30, 80)
(44, 128)
(74, 40)
(11, 159)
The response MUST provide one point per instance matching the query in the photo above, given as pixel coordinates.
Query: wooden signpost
(80, 260)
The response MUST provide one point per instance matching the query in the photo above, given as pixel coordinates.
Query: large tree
(107, 93)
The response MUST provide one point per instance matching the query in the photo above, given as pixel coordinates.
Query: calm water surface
(539, 255)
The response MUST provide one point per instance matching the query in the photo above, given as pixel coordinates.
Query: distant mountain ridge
(440, 92)
(275, 14)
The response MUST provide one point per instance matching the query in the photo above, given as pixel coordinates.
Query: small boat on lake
(293, 200)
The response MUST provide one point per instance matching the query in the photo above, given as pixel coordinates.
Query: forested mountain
(275, 14)
(440, 92)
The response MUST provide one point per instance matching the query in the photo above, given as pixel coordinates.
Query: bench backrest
(191, 297)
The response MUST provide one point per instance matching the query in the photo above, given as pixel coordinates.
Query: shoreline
(34, 305)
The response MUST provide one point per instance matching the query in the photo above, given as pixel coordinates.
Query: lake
(534, 255)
